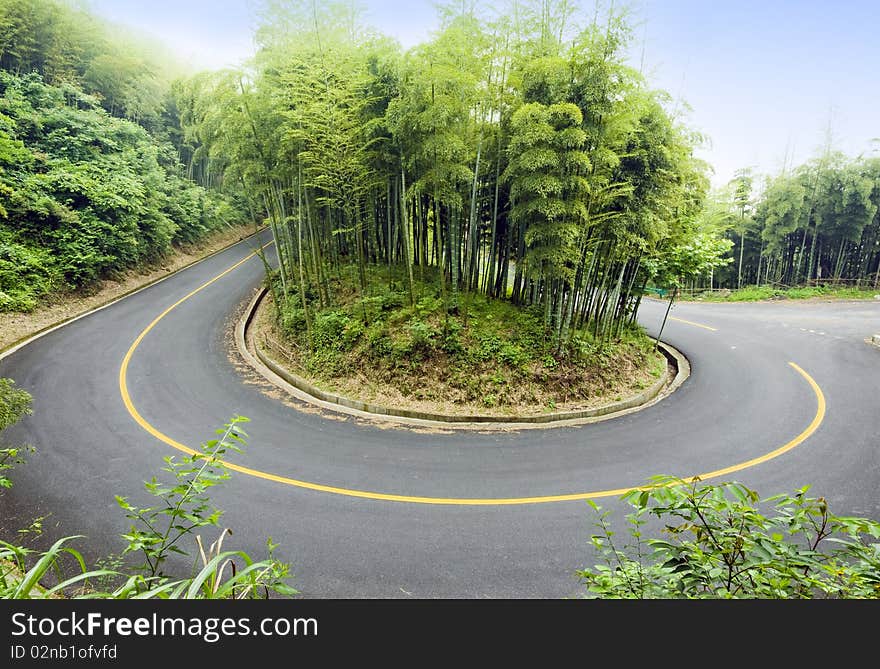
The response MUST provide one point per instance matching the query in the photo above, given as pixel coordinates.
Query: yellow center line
(439, 501)
(696, 325)
(797, 441)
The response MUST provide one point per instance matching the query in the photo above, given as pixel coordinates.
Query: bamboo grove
(816, 224)
(518, 156)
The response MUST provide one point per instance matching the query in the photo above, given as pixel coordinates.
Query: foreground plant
(722, 541)
(15, 404)
(17, 581)
(184, 508)
(157, 532)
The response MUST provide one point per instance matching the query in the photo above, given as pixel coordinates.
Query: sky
(763, 80)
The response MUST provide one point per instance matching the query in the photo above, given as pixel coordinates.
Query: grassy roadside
(765, 293)
(17, 326)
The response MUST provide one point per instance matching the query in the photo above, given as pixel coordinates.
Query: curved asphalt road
(743, 401)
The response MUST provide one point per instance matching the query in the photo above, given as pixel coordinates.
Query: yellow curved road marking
(696, 325)
(797, 441)
(440, 501)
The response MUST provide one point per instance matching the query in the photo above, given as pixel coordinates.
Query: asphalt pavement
(745, 408)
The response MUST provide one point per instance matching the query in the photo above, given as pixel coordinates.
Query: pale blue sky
(762, 77)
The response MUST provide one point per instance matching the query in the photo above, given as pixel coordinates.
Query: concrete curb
(24, 341)
(298, 387)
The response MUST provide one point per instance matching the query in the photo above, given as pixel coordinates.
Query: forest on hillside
(92, 180)
(516, 154)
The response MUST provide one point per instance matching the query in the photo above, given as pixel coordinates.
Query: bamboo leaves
(512, 148)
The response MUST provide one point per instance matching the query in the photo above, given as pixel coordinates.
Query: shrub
(428, 305)
(378, 342)
(372, 307)
(183, 509)
(293, 322)
(450, 340)
(15, 404)
(722, 541)
(422, 336)
(354, 329)
(391, 301)
(26, 274)
(512, 354)
(489, 345)
(328, 330)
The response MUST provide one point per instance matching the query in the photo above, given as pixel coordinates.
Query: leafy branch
(718, 543)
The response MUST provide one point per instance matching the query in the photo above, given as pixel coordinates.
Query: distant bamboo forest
(817, 223)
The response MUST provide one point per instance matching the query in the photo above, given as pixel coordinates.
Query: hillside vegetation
(489, 358)
(91, 181)
(761, 293)
(817, 225)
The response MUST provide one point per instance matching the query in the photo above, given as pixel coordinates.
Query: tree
(430, 123)
(84, 194)
(546, 164)
(816, 224)
(742, 193)
(702, 252)
(521, 146)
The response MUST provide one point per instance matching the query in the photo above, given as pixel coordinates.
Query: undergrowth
(758, 293)
(480, 351)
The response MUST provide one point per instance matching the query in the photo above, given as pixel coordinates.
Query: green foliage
(694, 258)
(512, 355)
(15, 404)
(293, 322)
(74, 50)
(17, 581)
(723, 541)
(423, 337)
(450, 337)
(156, 533)
(186, 507)
(429, 117)
(9, 458)
(546, 162)
(489, 349)
(329, 330)
(88, 195)
(757, 293)
(817, 222)
(518, 157)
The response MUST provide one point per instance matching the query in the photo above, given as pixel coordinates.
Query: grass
(483, 356)
(759, 293)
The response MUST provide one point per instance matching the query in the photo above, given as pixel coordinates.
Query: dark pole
(668, 309)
